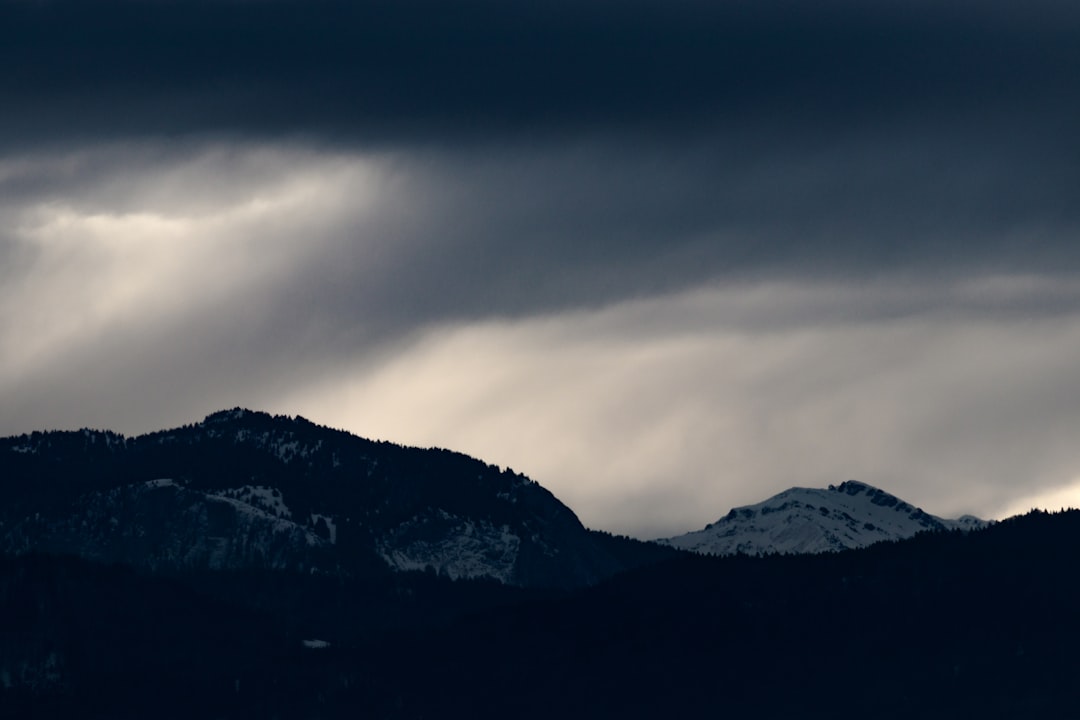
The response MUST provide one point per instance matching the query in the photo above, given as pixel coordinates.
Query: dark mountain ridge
(244, 490)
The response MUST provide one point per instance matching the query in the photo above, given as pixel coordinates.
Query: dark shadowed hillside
(243, 490)
(943, 625)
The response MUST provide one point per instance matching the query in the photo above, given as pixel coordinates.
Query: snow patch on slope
(267, 499)
(269, 519)
(452, 546)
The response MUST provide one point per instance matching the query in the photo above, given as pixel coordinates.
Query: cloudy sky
(663, 256)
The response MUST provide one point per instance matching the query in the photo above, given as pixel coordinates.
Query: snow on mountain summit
(813, 520)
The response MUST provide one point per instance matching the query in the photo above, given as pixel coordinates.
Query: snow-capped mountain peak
(812, 520)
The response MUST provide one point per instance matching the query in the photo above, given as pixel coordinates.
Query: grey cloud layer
(657, 416)
(385, 245)
(540, 231)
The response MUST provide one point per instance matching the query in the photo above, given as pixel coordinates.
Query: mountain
(252, 566)
(813, 520)
(243, 490)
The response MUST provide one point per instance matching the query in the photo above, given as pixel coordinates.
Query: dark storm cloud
(710, 138)
(691, 140)
(426, 71)
(549, 229)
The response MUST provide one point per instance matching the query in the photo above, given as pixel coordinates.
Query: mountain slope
(812, 520)
(946, 625)
(244, 490)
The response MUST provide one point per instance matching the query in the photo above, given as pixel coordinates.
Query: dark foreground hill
(982, 624)
(244, 491)
(943, 625)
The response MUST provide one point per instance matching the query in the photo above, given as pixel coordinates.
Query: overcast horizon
(664, 258)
